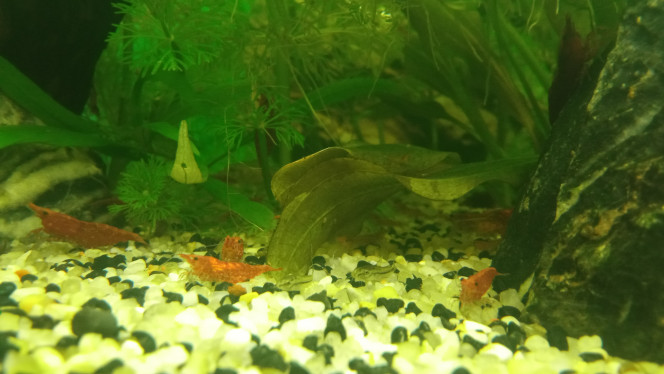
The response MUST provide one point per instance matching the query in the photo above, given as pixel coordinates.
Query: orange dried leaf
(208, 268)
(475, 286)
(85, 234)
(233, 249)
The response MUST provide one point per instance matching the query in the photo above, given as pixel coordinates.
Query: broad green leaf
(334, 206)
(328, 194)
(21, 134)
(457, 181)
(28, 95)
(253, 212)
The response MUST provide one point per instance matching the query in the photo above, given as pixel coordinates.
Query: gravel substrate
(139, 309)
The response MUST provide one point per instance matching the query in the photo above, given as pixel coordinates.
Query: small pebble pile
(138, 309)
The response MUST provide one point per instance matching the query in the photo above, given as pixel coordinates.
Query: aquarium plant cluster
(221, 116)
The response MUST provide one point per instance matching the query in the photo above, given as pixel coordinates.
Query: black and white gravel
(139, 310)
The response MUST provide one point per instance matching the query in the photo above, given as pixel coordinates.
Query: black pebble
(420, 330)
(439, 310)
(475, 343)
(253, 260)
(413, 243)
(389, 357)
(355, 283)
(310, 342)
(362, 367)
(412, 308)
(319, 260)
(136, 293)
(52, 287)
(224, 311)
(461, 370)
(591, 356)
(322, 297)
(188, 346)
(505, 341)
(203, 240)
(6, 289)
(363, 312)
(508, 310)
(450, 274)
(29, 278)
(392, 305)
(287, 314)
(189, 285)
(5, 345)
(413, 257)
(454, 256)
(413, 283)
(104, 261)
(327, 351)
(362, 264)
(94, 320)
(334, 325)
(399, 335)
(110, 366)
(62, 267)
(266, 357)
(203, 300)
(128, 282)
(466, 271)
(224, 371)
(267, 287)
(223, 286)
(145, 340)
(557, 337)
(97, 303)
(95, 273)
(437, 256)
(66, 342)
(295, 368)
(172, 296)
(42, 322)
(516, 333)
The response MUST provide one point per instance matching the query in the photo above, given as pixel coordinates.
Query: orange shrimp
(208, 268)
(475, 286)
(85, 234)
(232, 249)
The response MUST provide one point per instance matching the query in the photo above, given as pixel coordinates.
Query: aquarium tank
(298, 186)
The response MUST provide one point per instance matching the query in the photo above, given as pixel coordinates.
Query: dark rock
(310, 342)
(110, 366)
(320, 260)
(508, 310)
(287, 314)
(203, 300)
(95, 273)
(224, 371)
(450, 274)
(591, 356)
(363, 312)
(42, 322)
(145, 340)
(412, 308)
(66, 342)
(172, 297)
(506, 341)
(52, 287)
(266, 357)
(420, 330)
(224, 311)
(392, 305)
(399, 335)
(267, 287)
(413, 257)
(437, 256)
(97, 303)
(296, 368)
(334, 324)
(105, 261)
(29, 278)
(439, 310)
(466, 271)
(557, 337)
(223, 286)
(461, 370)
(94, 320)
(472, 341)
(413, 283)
(136, 293)
(6, 289)
(323, 298)
(5, 345)
(327, 351)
